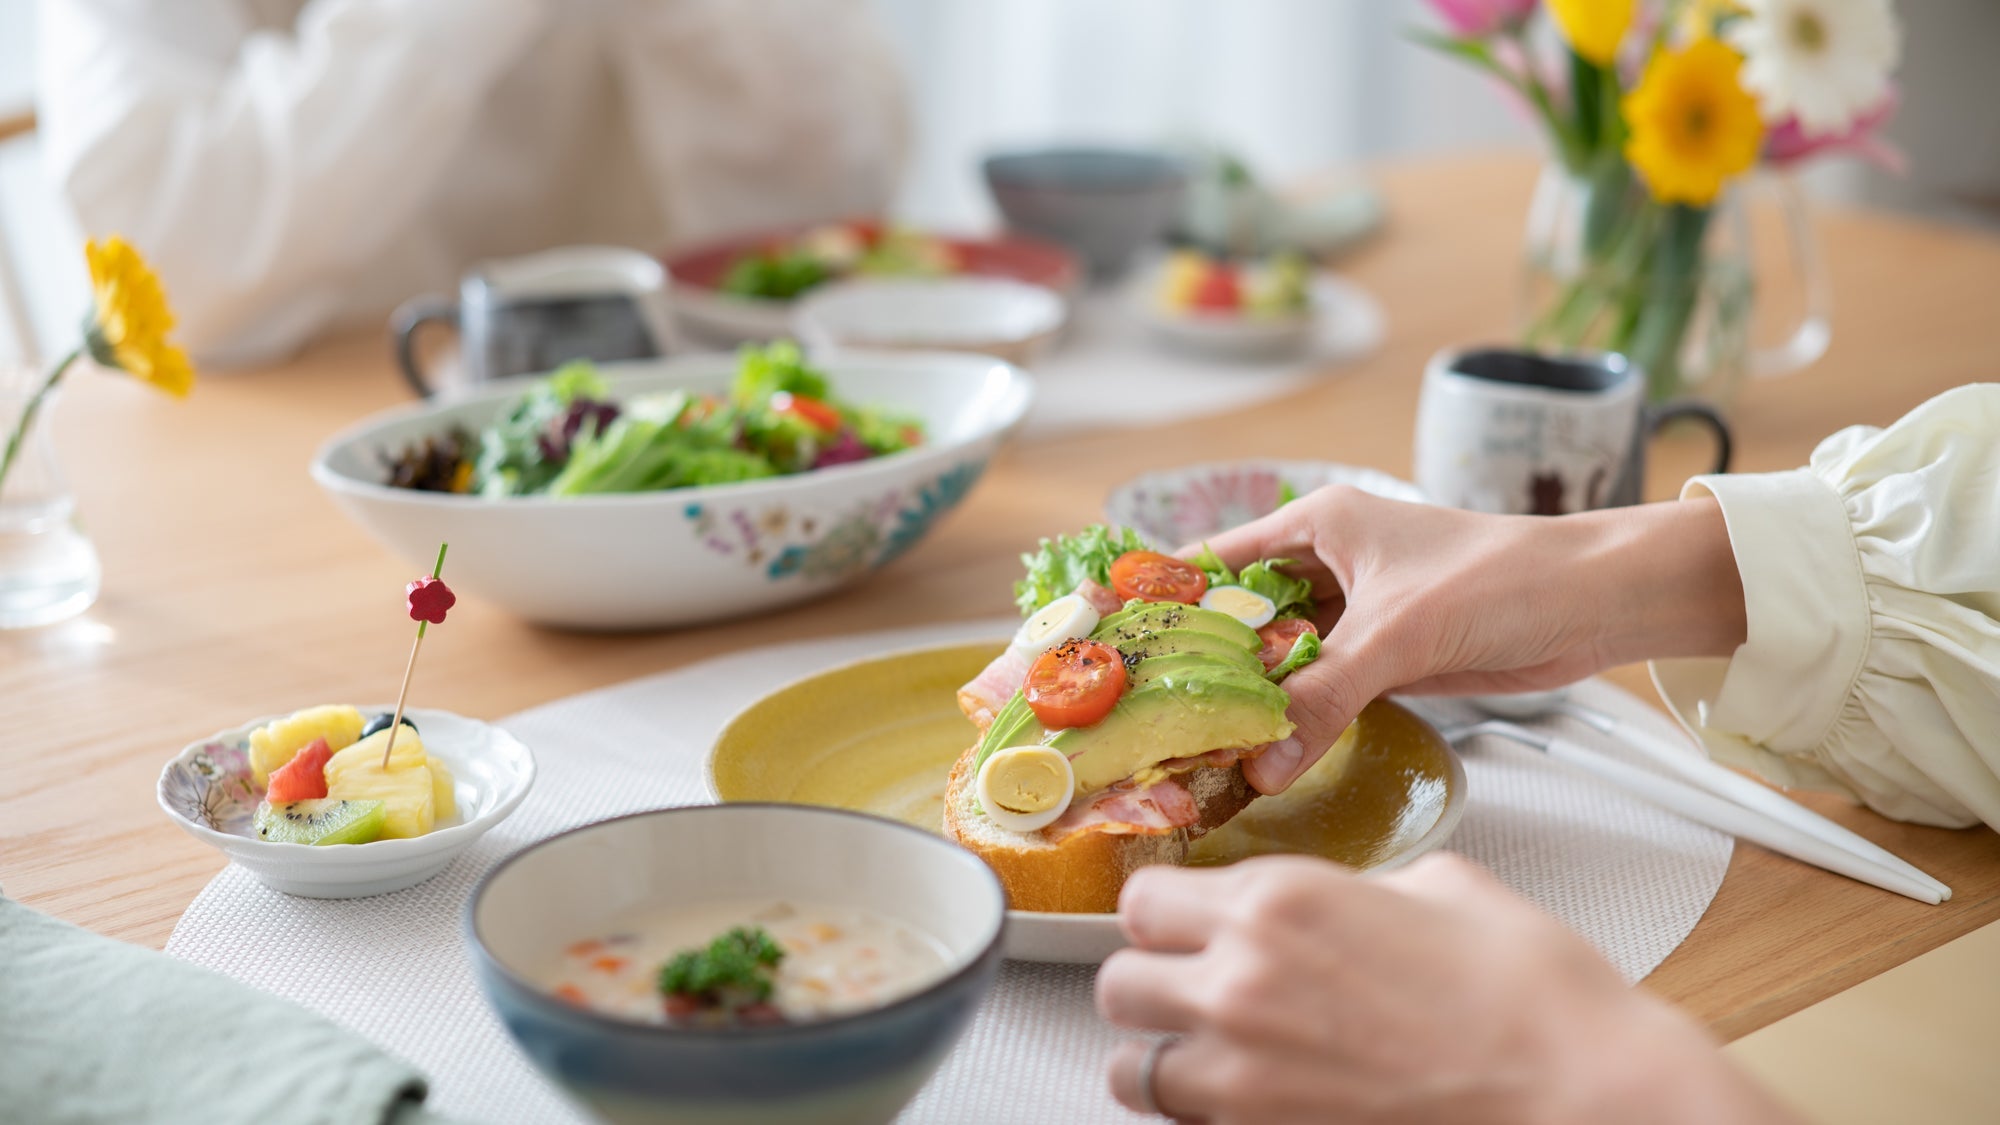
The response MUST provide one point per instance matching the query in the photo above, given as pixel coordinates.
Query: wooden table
(232, 587)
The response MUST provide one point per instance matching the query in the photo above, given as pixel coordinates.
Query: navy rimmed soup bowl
(853, 1068)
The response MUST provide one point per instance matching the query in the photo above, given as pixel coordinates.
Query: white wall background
(1294, 86)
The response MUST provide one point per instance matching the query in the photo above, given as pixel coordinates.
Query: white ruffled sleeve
(1872, 584)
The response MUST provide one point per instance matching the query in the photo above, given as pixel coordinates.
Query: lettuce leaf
(1291, 596)
(514, 458)
(1305, 650)
(763, 372)
(1061, 564)
(641, 454)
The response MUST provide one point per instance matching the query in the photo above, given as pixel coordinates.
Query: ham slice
(993, 687)
(1160, 807)
(1102, 600)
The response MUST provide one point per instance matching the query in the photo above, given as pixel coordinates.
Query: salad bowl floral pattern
(787, 544)
(1179, 506)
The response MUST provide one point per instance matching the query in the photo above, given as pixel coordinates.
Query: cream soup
(836, 960)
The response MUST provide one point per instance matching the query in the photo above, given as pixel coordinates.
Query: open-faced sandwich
(1115, 726)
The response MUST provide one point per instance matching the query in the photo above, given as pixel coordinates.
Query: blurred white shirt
(292, 164)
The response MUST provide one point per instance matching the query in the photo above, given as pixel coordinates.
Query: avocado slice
(1154, 647)
(1136, 621)
(1175, 717)
(1013, 725)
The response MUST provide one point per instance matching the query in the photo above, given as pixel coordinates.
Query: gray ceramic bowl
(849, 1070)
(1103, 203)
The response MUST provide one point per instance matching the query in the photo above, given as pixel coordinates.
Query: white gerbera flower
(1823, 62)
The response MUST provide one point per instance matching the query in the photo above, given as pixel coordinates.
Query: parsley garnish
(734, 968)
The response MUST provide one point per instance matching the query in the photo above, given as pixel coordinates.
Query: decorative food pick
(427, 598)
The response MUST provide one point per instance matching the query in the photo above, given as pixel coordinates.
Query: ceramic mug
(1500, 430)
(519, 316)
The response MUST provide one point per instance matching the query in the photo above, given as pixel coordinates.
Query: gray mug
(521, 316)
(1518, 432)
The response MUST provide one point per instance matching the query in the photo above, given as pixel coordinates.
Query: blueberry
(381, 723)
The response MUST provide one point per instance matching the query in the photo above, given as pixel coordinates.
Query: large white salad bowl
(679, 557)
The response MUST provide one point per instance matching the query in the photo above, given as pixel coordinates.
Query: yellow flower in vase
(1594, 28)
(126, 331)
(129, 324)
(1693, 126)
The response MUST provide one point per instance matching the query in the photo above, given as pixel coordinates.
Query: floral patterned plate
(207, 789)
(1179, 506)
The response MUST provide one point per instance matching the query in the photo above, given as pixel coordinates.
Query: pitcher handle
(1809, 338)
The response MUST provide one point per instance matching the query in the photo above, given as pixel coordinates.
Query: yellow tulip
(1594, 28)
(1693, 126)
(130, 321)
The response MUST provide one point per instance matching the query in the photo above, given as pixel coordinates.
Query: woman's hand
(1418, 599)
(1301, 992)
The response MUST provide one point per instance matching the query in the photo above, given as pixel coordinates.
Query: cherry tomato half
(1154, 577)
(811, 411)
(1075, 684)
(1279, 636)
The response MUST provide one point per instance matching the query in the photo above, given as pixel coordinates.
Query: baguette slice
(1082, 870)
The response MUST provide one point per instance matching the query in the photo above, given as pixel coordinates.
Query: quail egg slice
(1025, 788)
(1248, 606)
(1067, 617)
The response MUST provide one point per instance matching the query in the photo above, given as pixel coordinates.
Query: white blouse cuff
(1773, 702)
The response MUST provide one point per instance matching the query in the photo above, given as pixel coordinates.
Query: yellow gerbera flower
(1693, 126)
(129, 324)
(1594, 28)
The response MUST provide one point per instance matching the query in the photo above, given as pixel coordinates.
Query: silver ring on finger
(1149, 1068)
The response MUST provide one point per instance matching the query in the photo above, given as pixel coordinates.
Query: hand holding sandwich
(1419, 599)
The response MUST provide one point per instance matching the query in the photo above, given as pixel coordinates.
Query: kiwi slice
(320, 822)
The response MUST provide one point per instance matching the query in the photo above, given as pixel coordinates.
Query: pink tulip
(1787, 144)
(1478, 19)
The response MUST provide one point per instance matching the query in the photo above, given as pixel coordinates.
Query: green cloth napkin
(95, 1030)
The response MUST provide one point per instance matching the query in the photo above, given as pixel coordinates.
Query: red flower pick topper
(428, 599)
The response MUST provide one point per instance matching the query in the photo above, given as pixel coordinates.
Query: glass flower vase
(1672, 288)
(48, 568)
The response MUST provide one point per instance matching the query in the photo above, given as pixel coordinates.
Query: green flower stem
(1586, 87)
(1620, 228)
(1529, 83)
(1673, 284)
(28, 413)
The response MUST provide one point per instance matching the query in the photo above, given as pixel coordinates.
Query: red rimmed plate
(712, 316)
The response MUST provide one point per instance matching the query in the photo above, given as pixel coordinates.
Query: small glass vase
(1671, 288)
(48, 568)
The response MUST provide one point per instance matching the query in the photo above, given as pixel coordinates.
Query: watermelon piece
(303, 778)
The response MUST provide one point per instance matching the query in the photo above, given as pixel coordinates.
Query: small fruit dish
(307, 804)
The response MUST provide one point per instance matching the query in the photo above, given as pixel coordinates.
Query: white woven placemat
(1628, 877)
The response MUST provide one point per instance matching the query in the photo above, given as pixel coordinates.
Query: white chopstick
(1706, 808)
(1725, 782)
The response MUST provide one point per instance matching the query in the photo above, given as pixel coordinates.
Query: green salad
(566, 435)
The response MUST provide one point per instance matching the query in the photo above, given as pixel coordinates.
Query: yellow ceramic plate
(880, 736)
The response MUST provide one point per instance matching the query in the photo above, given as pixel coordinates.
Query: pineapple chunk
(407, 789)
(409, 751)
(444, 802)
(274, 743)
